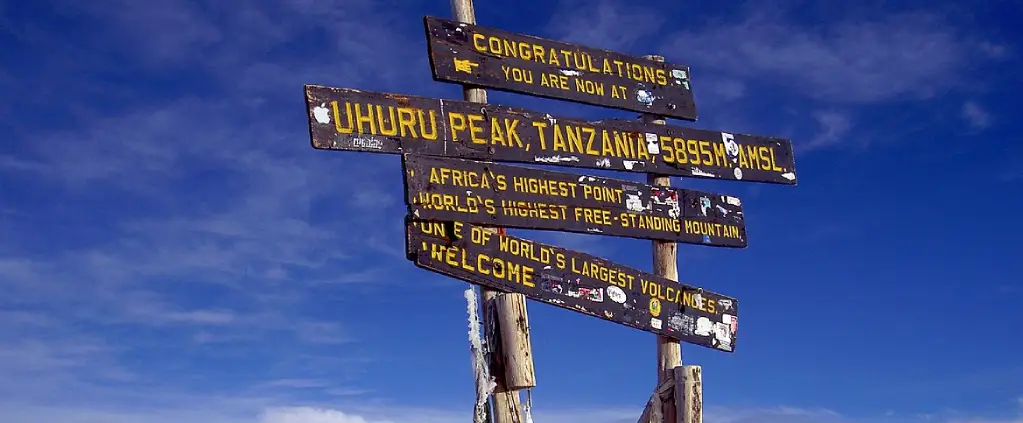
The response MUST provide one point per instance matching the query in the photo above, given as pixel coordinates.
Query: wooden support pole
(513, 323)
(512, 354)
(505, 401)
(689, 394)
(665, 255)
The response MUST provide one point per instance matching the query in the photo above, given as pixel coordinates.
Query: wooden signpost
(446, 189)
(354, 120)
(493, 58)
(576, 281)
(459, 200)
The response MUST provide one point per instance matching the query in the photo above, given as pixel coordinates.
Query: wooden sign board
(347, 119)
(575, 281)
(446, 189)
(507, 61)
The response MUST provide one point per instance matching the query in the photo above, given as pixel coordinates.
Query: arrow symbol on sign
(464, 65)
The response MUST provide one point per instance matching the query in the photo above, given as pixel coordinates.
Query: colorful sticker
(655, 307)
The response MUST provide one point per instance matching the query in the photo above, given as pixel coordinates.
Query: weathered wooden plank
(508, 61)
(575, 281)
(443, 189)
(689, 394)
(347, 119)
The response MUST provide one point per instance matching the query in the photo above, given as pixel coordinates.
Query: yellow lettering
(382, 123)
(456, 121)
(476, 38)
(406, 121)
(539, 132)
(367, 119)
(705, 153)
(337, 118)
(475, 129)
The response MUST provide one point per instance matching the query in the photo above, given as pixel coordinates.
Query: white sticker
(321, 114)
(633, 202)
(732, 321)
(645, 97)
(616, 294)
(723, 334)
(655, 323)
(788, 175)
(629, 163)
(738, 173)
(733, 201)
(651, 144)
(696, 171)
(731, 147)
(703, 326)
(367, 143)
(555, 159)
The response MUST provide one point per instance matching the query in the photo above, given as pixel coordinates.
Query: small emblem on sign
(655, 307)
(321, 114)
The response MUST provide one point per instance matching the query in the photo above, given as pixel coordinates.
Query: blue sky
(172, 248)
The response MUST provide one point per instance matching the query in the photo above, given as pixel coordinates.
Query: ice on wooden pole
(510, 308)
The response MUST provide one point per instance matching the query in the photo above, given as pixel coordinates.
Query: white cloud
(834, 126)
(203, 221)
(909, 55)
(250, 410)
(599, 24)
(975, 115)
(311, 415)
(221, 193)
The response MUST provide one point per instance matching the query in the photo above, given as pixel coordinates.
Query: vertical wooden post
(512, 359)
(689, 394)
(665, 254)
(513, 325)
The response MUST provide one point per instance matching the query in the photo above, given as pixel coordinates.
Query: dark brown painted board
(448, 189)
(575, 281)
(508, 61)
(347, 119)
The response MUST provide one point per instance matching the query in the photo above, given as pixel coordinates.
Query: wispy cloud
(975, 115)
(189, 221)
(909, 55)
(257, 409)
(834, 126)
(194, 220)
(599, 24)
